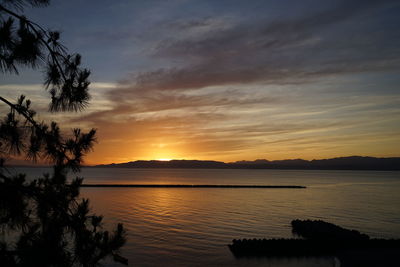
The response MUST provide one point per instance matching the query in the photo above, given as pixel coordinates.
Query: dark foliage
(44, 222)
(323, 239)
(23, 42)
(321, 230)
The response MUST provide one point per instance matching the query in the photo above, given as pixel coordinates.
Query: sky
(229, 80)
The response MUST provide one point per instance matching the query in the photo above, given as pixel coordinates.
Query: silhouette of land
(195, 186)
(343, 163)
(320, 238)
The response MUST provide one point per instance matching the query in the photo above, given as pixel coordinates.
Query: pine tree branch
(22, 112)
(38, 33)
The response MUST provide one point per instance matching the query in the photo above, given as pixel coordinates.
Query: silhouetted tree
(44, 222)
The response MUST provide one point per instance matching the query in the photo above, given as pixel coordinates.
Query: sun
(164, 159)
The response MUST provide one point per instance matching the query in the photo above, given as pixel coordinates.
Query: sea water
(193, 226)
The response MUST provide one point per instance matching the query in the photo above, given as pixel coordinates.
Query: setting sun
(164, 159)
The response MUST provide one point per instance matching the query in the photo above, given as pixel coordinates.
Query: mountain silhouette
(342, 163)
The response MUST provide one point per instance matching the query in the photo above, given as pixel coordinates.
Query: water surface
(192, 226)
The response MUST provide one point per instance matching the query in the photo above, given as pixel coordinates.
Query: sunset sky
(230, 80)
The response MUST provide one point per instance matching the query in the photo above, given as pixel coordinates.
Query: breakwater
(196, 186)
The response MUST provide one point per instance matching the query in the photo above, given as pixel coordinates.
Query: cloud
(249, 84)
(269, 79)
(291, 51)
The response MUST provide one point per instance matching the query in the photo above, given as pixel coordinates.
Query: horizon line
(243, 160)
(229, 162)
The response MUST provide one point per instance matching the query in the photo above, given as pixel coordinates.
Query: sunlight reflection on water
(192, 226)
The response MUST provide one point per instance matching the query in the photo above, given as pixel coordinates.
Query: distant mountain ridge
(341, 163)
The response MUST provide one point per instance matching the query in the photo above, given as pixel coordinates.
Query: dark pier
(196, 186)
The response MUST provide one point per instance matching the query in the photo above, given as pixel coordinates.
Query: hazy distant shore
(343, 163)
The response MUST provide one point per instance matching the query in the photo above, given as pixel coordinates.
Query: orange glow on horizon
(153, 143)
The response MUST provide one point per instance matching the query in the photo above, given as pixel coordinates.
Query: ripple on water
(192, 226)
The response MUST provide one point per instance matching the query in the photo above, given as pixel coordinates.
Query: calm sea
(192, 226)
